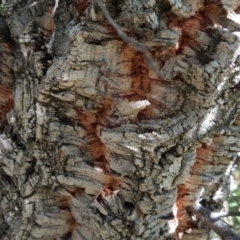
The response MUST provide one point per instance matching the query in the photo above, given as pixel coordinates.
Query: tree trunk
(96, 143)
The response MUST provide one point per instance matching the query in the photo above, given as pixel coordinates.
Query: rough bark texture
(94, 144)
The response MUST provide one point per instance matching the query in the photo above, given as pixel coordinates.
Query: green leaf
(2, 10)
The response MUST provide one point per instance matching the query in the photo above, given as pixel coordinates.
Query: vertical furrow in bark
(209, 182)
(6, 73)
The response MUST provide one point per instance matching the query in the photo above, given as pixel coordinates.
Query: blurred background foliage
(234, 200)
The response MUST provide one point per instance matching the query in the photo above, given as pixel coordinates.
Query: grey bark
(97, 145)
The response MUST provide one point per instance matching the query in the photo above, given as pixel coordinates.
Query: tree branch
(212, 221)
(134, 43)
(55, 7)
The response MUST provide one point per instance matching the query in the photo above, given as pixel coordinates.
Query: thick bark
(96, 143)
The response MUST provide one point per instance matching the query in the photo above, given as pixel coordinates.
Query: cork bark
(97, 144)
